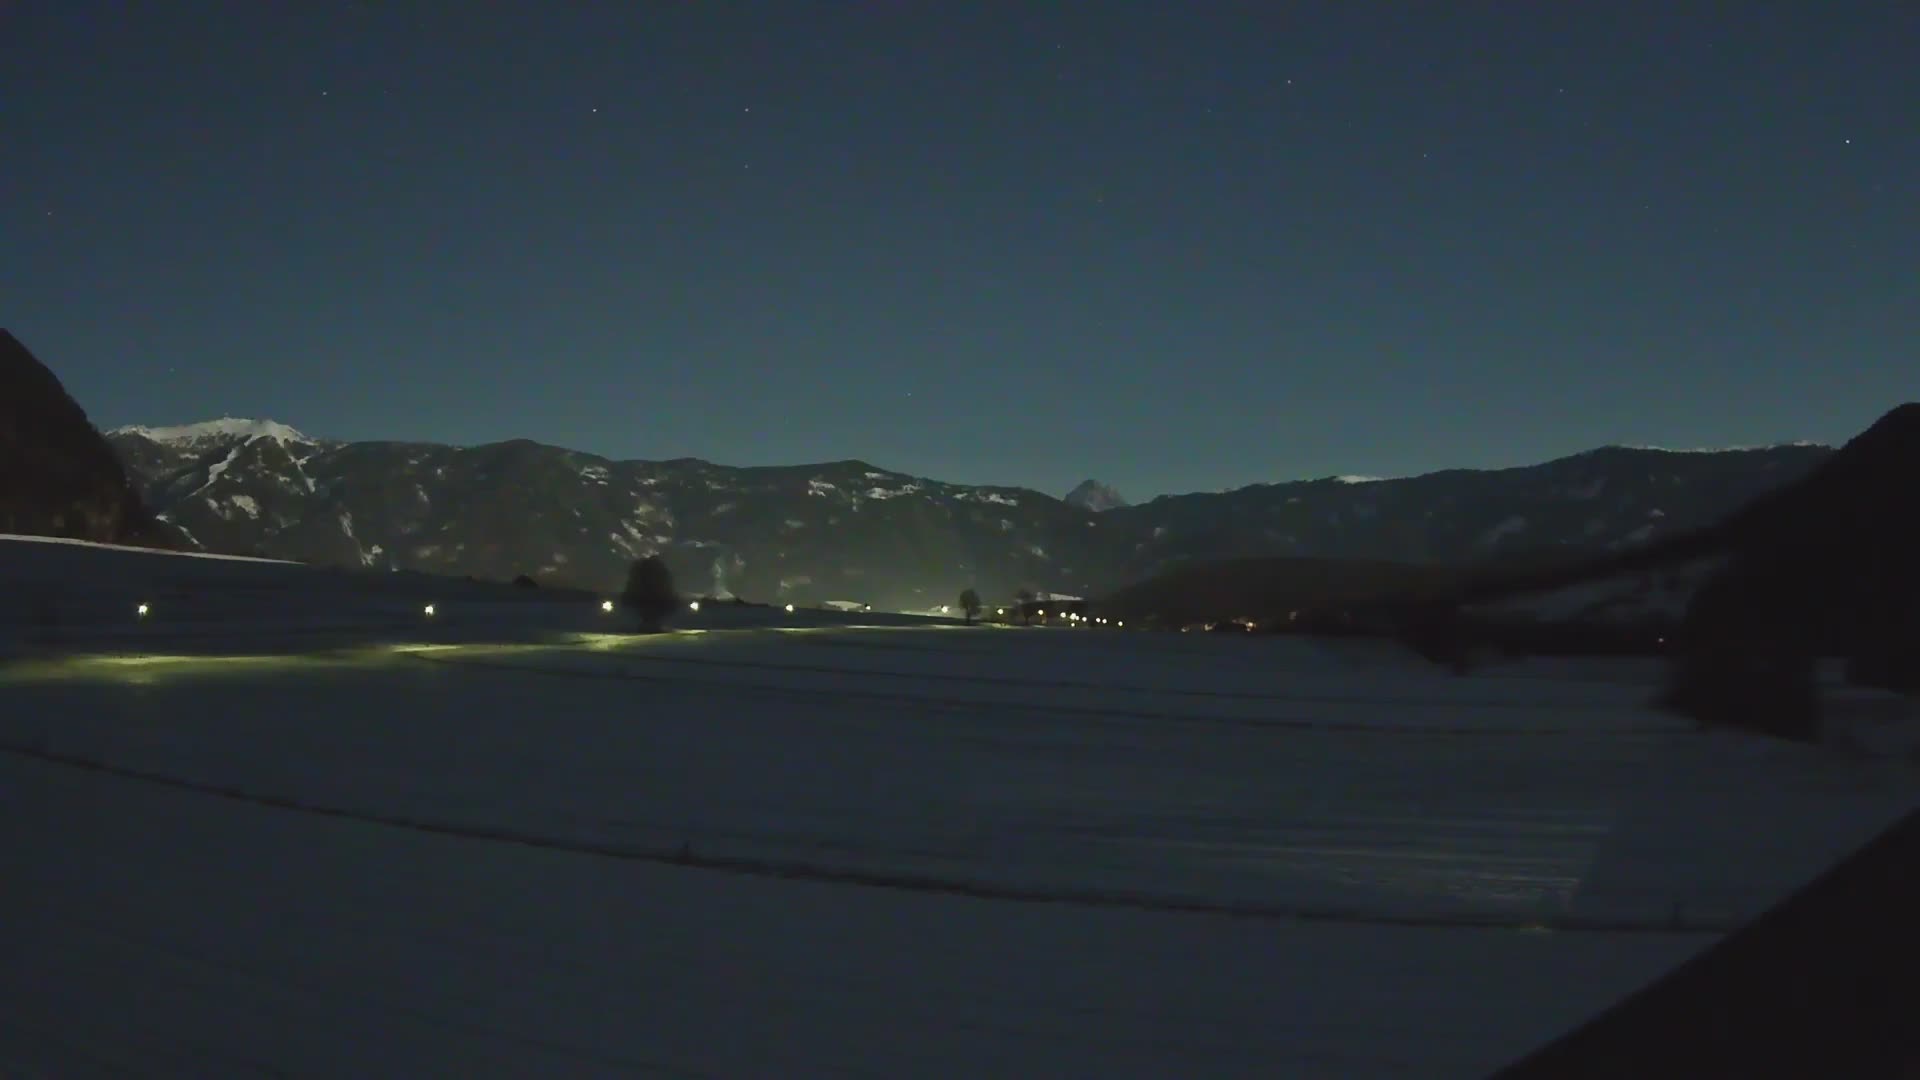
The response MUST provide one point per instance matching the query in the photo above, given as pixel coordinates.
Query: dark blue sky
(1175, 246)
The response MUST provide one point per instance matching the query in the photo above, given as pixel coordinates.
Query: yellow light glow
(428, 610)
(693, 606)
(999, 611)
(789, 609)
(142, 610)
(1123, 622)
(606, 605)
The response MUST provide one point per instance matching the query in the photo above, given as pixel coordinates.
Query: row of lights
(1078, 618)
(142, 610)
(605, 606)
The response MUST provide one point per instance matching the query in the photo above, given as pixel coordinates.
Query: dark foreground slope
(1822, 985)
(58, 476)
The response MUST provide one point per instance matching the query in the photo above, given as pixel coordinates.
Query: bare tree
(970, 605)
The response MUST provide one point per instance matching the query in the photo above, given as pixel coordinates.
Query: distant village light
(142, 610)
(427, 611)
(606, 605)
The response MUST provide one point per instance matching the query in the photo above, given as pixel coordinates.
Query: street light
(427, 611)
(142, 610)
(789, 609)
(606, 606)
(693, 606)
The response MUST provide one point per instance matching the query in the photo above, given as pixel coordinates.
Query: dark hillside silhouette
(1828, 565)
(58, 475)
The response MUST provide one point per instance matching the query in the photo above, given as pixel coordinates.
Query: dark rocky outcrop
(58, 475)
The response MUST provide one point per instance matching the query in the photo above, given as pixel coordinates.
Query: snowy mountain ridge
(850, 530)
(227, 427)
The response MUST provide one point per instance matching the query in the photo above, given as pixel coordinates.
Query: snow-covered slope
(1660, 595)
(725, 853)
(59, 596)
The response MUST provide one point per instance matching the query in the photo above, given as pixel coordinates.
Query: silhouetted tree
(1024, 598)
(970, 605)
(649, 593)
(525, 582)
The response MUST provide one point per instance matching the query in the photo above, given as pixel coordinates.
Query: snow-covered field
(508, 841)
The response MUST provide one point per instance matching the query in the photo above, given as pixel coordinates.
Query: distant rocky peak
(1095, 496)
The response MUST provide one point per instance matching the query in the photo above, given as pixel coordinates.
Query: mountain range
(849, 530)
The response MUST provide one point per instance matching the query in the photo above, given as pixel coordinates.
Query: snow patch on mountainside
(218, 467)
(1503, 530)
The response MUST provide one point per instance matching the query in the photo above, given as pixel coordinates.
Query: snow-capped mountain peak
(1095, 496)
(227, 427)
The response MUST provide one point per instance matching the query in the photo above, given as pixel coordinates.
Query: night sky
(1176, 246)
